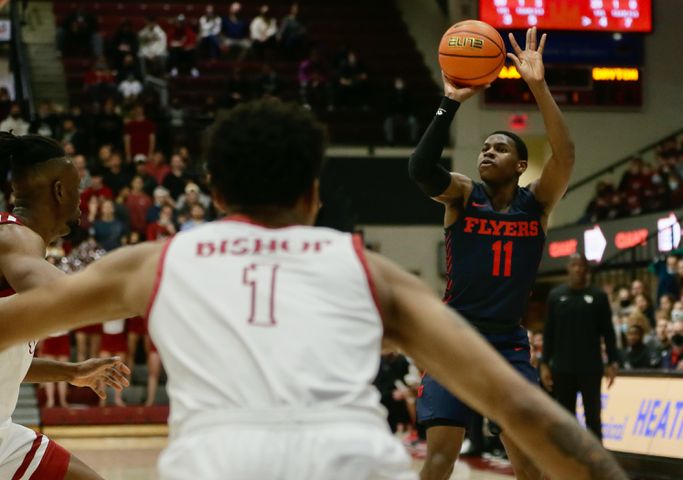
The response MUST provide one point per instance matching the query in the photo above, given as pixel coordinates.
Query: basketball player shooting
(45, 186)
(495, 234)
(293, 316)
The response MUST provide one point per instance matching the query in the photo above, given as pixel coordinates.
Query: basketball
(471, 53)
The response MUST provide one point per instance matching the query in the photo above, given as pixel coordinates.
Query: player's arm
(438, 339)
(554, 179)
(423, 167)
(119, 285)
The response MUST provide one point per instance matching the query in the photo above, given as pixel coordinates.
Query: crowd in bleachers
(643, 188)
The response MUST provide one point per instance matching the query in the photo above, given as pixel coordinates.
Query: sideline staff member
(578, 317)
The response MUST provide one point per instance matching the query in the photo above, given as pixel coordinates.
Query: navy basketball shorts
(436, 406)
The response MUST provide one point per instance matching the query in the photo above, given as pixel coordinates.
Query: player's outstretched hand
(529, 62)
(459, 94)
(98, 373)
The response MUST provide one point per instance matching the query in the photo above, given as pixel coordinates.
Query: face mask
(676, 315)
(656, 179)
(624, 328)
(673, 185)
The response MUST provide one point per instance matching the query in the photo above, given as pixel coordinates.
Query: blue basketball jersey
(492, 259)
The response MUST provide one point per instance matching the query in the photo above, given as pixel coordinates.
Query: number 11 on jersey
(261, 279)
(501, 249)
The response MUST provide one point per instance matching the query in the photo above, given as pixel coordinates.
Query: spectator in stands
(666, 304)
(197, 217)
(637, 355)
(124, 43)
(210, 32)
(192, 196)
(46, 122)
(177, 178)
(157, 166)
(117, 175)
(153, 372)
(176, 114)
(667, 279)
(352, 83)
(237, 91)
(138, 203)
(100, 83)
(5, 102)
(81, 164)
(97, 191)
(139, 134)
(400, 110)
(15, 121)
(107, 127)
(107, 230)
(161, 199)
(578, 320)
(263, 32)
(207, 113)
(149, 183)
(129, 67)
(269, 83)
(79, 29)
(643, 304)
(164, 227)
(314, 85)
(182, 44)
(103, 154)
(130, 89)
(598, 209)
(72, 134)
(235, 30)
(292, 33)
(153, 47)
(660, 342)
(672, 359)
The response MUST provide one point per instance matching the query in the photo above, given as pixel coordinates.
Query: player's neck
(578, 284)
(272, 217)
(34, 220)
(501, 196)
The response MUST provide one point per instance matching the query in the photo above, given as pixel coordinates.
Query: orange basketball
(471, 53)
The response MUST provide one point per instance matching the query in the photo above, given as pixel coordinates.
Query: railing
(19, 61)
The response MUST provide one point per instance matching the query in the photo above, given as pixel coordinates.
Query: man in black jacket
(578, 317)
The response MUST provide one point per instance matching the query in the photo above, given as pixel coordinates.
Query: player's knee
(441, 461)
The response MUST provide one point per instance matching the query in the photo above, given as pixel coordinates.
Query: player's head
(44, 181)
(503, 158)
(266, 157)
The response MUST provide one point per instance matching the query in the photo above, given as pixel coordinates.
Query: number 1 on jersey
(500, 249)
(261, 279)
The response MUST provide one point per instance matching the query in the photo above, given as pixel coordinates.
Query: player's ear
(522, 166)
(58, 191)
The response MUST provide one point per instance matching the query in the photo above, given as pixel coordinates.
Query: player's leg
(153, 373)
(445, 418)
(443, 448)
(524, 468)
(590, 386)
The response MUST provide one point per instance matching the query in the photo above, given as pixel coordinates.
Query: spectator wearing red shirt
(96, 190)
(157, 167)
(182, 44)
(138, 202)
(139, 134)
(164, 227)
(100, 83)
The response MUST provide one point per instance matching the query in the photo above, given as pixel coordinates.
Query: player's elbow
(415, 173)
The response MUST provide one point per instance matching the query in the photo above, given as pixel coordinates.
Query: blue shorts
(436, 406)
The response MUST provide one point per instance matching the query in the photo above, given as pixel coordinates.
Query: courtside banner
(642, 415)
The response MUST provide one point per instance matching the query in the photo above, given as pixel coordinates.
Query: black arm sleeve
(423, 166)
(607, 329)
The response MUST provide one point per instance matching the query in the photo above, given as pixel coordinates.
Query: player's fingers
(528, 39)
(542, 44)
(532, 39)
(113, 383)
(99, 390)
(515, 45)
(119, 377)
(122, 368)
(514, 59)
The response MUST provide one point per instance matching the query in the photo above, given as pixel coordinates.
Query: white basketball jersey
(15, 361)
(248, 318)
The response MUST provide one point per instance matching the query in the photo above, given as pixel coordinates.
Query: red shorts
(56, 346)
(32, 455)
(136, 325)
(117, 343)
(91, 329)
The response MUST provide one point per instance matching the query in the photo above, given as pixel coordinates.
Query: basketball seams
(480, 76)
(480, 34)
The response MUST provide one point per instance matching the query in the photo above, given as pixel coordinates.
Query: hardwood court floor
(127, 458)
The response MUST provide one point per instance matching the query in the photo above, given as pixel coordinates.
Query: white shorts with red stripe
(28, 455)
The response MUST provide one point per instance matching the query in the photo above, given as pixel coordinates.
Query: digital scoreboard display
(593, 15)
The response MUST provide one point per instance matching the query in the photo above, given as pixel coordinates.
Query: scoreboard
(593, 15)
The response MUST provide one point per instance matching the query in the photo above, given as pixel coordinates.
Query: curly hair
(265, 153)
(18, 153)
